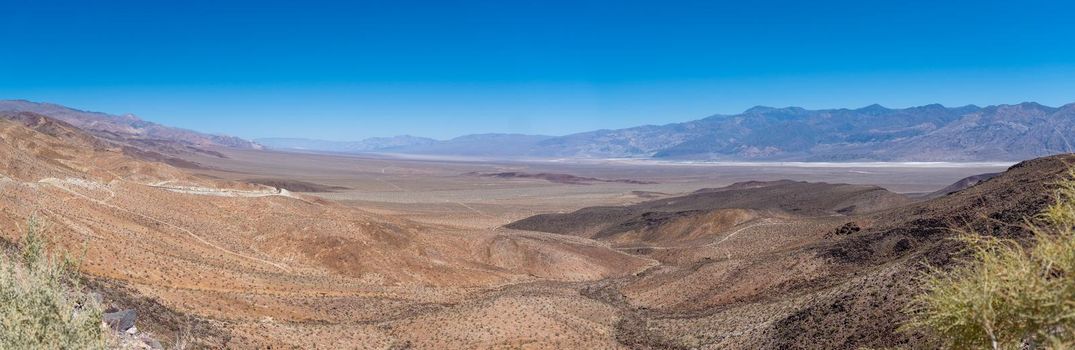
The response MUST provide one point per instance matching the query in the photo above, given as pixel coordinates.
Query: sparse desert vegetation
(42, 304)
(1007, 295)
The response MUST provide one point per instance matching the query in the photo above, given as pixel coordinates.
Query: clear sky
(353, 69)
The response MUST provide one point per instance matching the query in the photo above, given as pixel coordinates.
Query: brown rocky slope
(239, 254)
(816, 280)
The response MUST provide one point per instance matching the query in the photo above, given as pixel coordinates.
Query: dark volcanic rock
(120, 320)
(846, 229)
(792, 197)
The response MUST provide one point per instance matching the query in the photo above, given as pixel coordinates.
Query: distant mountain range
(127, 128)
(873, 133)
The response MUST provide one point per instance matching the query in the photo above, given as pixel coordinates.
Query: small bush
(41, 305)
(1007, 296)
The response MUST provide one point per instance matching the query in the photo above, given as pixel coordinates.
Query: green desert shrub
(1007, 295)
(41, 305)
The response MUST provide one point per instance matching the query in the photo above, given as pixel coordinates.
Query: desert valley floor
(453, 192)
(478, 284)
(259, 249)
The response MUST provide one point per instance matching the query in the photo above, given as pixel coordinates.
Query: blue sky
(353, 69)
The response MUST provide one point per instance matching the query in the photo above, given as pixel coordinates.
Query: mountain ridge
(933, 132)
(129, 128)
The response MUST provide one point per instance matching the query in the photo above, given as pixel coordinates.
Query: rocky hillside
(877, 265)
(130, 129)
(780, 265)
(960, 185)
(234, 254)
(774, 198)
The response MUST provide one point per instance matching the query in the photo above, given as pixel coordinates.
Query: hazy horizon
(335, 71)
(287, 136)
